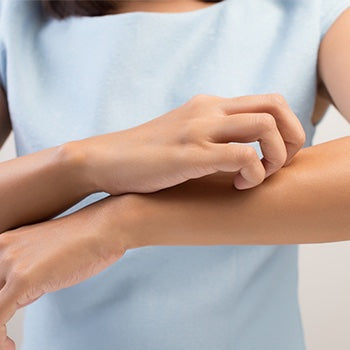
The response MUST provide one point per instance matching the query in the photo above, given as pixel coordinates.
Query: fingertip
(240, 183)
(291, 155)
(242, 188)
(269, 168)
(268, 173)
(288, 161)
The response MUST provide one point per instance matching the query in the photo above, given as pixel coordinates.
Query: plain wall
(324, 273)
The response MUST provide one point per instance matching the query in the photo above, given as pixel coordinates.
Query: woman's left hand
(53, 255)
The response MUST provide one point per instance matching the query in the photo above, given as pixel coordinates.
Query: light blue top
(79, 77)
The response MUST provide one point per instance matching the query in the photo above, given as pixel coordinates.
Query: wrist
(128, 220)
(72, 159)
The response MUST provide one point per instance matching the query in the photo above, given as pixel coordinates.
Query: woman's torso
(80, 77)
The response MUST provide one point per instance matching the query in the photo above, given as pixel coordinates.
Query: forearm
(168, 150)
(306, 202)
(40, 185)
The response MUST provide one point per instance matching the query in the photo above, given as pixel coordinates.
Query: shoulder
(315, 16)
(329, 11)
(19, 14)
(20, 20)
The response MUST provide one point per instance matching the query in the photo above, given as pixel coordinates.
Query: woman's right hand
(193, 141)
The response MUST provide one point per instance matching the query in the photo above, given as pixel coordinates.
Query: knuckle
(200, 99)
(19, 278)
(267, 122)
(247, 154)
(277, 99)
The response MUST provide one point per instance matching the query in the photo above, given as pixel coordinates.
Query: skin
(291, 207)
(159, 5)
(189, 142)
(189, 213)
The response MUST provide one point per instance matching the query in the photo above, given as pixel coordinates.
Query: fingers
(287, 122)
(231, 157)
(254, 127)
(8, 307)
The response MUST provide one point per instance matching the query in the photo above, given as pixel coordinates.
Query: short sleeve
(330, 11)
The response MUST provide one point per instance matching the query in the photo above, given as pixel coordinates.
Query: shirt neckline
(153, 14)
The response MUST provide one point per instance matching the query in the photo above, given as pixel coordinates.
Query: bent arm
(306, 202)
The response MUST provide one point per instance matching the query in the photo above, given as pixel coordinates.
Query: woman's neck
(159, 6)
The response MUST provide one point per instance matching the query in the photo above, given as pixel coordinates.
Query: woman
(176, 257)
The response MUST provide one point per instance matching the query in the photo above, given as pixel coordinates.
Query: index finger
(287, 122)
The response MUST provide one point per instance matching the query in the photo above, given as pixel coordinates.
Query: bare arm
(26, 200)
(300, 203)
(334, 63)
(188, 142)
(306, 202)
(38, 186)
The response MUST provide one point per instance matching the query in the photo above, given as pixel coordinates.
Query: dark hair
(63, 8)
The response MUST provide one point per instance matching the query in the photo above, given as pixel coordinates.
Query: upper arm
(334, 63)
(5, 124)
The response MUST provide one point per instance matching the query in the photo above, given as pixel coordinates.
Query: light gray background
(324, 272)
